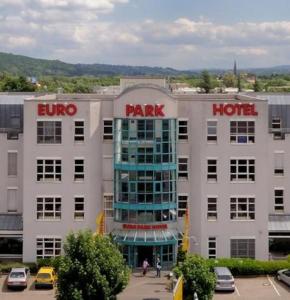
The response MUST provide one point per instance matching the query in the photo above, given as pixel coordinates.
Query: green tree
(91, 268)
(229, 80)
(257, 86)
(239, 83)
(197, 277)
(206, 82)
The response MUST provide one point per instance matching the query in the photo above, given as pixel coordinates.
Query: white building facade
(144, 156)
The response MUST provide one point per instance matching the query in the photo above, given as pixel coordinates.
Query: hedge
(249, 266)
(6, 266)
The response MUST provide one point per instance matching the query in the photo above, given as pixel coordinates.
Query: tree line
(205, 81)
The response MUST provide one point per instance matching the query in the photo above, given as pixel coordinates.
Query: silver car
(224, 279)
(284, 275)
(18, 278)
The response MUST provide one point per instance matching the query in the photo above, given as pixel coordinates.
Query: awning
(279, 226)
(146, 237)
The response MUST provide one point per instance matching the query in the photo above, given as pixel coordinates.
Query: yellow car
(46, 277)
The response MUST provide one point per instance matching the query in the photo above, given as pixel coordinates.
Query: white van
(224, 279)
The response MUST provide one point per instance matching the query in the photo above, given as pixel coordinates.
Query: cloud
(76, 31)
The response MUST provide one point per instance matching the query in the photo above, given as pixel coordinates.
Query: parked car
(284, 275)
(46, 277)
(224, 279)
(18, 278)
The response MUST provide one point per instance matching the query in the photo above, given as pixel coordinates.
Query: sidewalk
(147, 288)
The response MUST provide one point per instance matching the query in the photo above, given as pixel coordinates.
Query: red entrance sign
(239, 109)
(144, 226)
(56, 109)
(146, 110)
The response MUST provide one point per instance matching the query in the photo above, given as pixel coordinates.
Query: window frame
(41, 240)
(247, 137)
(212, 176)
(181, 136)
(108, 137)
(182, 174)
(108, 210)
(211, 138)
(279, 207)
(211, 244)
(212, 214)
(52, 214)
(56, 138)
(249, 253)
(79, 214)
(243, 177)
(14, 163)
(42, 176)
(79, 176)
(236, 210)
(79, 138)
(181, 211)
(279, 171)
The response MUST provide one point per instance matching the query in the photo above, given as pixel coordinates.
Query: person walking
(158, 267)
(145, 266)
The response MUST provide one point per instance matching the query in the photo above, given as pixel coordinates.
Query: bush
(5, 267)
(250, 266)
(197, 277)
(49, 262)
(92, 268)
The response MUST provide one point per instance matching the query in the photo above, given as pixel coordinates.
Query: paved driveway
(148, 287)
(256, 288)
(27, 294)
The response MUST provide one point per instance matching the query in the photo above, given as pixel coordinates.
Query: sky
(181, 34)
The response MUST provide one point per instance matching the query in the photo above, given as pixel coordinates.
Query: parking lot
(266, 288)
(260, 288)
(27, 294)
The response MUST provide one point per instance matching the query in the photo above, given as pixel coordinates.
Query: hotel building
(144, 155)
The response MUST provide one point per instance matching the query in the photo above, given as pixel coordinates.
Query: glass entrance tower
(145, 189)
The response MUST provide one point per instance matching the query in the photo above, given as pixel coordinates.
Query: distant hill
(27, 66)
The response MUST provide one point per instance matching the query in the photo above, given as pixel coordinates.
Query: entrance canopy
(279, 226)
(146, 237)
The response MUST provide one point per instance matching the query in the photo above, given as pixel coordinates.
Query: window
(12, 200)
(48, 208)
(79, 212)
(182, 205)
(279, 200)
(211, 247)
(212, 170)
(182, 130)
(183, 168)
(79, 173)
(212, 131)
(79, 135)
(212, 208)
(279, 163)
(277, 129)
(108, 130)
(12, 163)
(48, 132)
(243, 248)
(242, 132)
(47, 247)
(167, 253)
(48, 170)
(12, 135)
(108, 205)
(242, 169)
(242, 208)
